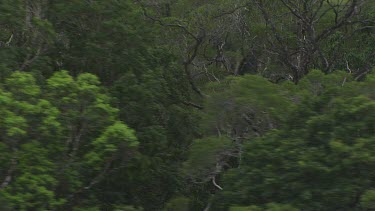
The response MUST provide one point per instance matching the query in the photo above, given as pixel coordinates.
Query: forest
(187, 105)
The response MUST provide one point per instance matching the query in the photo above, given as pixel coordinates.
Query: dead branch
(215, 184)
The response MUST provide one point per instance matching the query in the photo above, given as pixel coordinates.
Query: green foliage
(368, 200)
(23, 85)
(127, 208)
(268, 207)
(204, 156)
(72, 72)
(250, 208)
(239, 101)
(33, 187)
(150, 102)
(112, 139)
(321, 162)
(178, 204)
(48, 134)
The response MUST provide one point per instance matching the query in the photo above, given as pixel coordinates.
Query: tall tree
(55, 142)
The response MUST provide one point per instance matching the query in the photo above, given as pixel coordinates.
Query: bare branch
(9, 41)
(340, 21)
(215, 184)
(362, 74)
(192, 104)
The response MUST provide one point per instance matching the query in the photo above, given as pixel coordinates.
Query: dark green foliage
(224, 109)
(321, 158)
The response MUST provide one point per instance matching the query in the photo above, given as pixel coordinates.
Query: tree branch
(215, 184)
(192, 104)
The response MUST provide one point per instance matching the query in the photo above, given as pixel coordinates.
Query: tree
(194, 81)
(320, 157)
(55, 142)
(281, 40)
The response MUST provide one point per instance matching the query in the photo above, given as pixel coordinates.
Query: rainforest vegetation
(179, 105)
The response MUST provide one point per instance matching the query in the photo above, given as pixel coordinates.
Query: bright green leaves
(87, 84)
(24, 117)
(60, 84)
(117, 134)
(48, 134)
(116, 137)
(80, 100)
(62, 90)
(22, 85)
(15, 125)
(18, 103)
(33, 187)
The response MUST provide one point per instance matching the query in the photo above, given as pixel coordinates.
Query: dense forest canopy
(176, 105)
